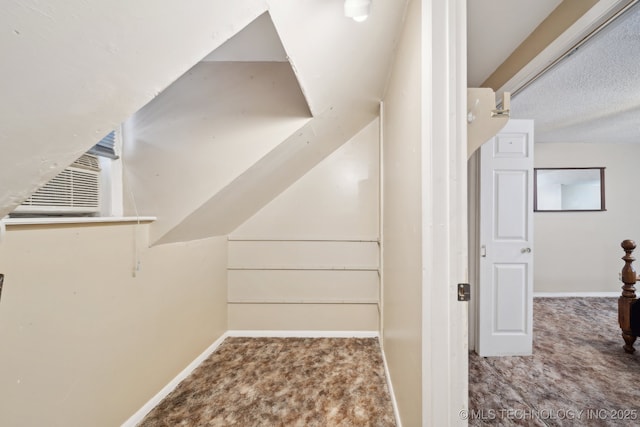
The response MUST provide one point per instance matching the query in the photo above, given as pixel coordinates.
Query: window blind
(106, 146)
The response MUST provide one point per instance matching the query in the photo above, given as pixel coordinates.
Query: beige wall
(84, 343)
(309, 259)
(402, 222)
(580, 252)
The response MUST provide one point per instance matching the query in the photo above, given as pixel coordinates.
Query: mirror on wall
(568, 189)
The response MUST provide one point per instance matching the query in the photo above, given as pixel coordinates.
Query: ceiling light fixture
(358, 10)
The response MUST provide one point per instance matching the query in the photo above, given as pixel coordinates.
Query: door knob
(525, 250)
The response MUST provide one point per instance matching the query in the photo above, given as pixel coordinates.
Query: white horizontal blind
(71, 188)
(74, 190)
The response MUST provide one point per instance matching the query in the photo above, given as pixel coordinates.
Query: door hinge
(464, 292)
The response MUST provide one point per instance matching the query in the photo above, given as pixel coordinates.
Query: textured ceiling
(593, 95)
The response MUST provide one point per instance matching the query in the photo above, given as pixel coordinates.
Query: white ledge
(77, 220)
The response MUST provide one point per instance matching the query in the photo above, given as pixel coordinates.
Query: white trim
(76, 220)
(444, 334)
(392, 395)
(381, 199)
(155, 400)
(362, 301)
(303, 334)
(309, 238)
(575, 294)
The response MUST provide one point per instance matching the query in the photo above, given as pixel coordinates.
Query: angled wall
(338, 76)
(272, 174)
(205, 130)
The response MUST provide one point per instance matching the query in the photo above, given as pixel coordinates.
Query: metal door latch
(464, 292)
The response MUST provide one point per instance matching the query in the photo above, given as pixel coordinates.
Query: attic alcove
(199, 138)
(240, 127)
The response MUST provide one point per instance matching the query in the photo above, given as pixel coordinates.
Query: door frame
(444, 221)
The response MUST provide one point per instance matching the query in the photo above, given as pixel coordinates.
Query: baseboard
(155, 400)
(575, 294)
(392, 395)
(302, 334)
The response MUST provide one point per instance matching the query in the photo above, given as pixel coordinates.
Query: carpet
(282, 382)
(578, 373)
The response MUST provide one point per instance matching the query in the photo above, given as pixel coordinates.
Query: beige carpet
(282, 382)
(578, 374)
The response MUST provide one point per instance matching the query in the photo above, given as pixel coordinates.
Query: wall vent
(74, 191)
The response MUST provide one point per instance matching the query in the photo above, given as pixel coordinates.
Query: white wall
(580, 251)
(308, 260)
(86, 343)
(402, 222)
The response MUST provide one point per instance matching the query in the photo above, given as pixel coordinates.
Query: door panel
(505, 292)
(511, 145)
(510, 205)
(509, 290)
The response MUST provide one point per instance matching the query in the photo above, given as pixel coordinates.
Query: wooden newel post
(628, 297)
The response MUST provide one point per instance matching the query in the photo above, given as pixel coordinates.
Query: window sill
(77, 220)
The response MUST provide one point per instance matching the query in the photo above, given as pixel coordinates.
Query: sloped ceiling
(258, 41)
(72, 70)
(199, 187)
(203, 131)
(210, 126)
(75, 69)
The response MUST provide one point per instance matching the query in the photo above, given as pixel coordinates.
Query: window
(106, 146)
(90, 186)
(568, 189)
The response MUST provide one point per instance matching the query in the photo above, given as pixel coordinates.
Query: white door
(505, 291)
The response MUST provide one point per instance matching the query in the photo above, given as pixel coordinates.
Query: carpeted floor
(282, 382)
(579, 375)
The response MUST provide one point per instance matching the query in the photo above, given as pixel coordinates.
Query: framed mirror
(568, 189)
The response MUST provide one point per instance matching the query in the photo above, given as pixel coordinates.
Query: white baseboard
(303, 334)
(155, 400)
(575, 294)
